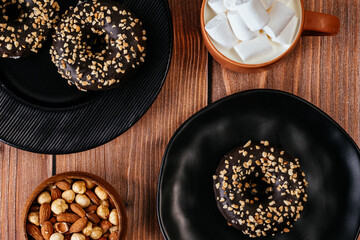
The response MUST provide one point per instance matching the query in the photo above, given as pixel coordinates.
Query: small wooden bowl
(82, 176)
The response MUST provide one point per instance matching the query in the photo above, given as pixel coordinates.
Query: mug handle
(320, 24)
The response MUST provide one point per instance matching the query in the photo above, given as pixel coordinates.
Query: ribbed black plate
(331, 160)
(39, 112)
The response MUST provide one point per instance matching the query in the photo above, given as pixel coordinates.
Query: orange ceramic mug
(311, 23)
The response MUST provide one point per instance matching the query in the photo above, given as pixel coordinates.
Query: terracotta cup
(312, 23)
(119, 205)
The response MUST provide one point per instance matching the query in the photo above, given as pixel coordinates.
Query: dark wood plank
(20, 174)
(132, 162)
(322, 70)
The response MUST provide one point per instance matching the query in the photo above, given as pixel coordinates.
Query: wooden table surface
(322, 70)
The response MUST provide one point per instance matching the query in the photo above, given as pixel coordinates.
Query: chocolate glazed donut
(98, 44)
(260, 189)
(25, 25)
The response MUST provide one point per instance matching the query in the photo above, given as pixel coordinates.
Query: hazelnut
(88, 229)
(105, 203)
(59, 206)
(79, 187)
(113, 229)
(77, 236)
(44, 197)
(96, 233)
(82, 200)
(89, 184)
(103, 212)
(68, 196)
(114, 217)
(56, 236)
(100, 192)
(34, 218)
(61, 227)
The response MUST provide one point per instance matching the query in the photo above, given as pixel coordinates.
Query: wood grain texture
(132, 162)
(322, 70)
(20, 173)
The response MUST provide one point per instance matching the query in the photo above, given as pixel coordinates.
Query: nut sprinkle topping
(98, 44)
(25, 25)
(260, 189)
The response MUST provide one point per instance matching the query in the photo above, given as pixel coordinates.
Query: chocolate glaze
(25, 25)
(234, 182)
(119, 51)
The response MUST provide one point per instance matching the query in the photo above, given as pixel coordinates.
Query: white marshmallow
(220, 31)
(267, 3)
(217, 6)
(240, 29)
(234, 4)
(254, 48)
(286, 2)
(280, 16)
(287, 35)
(254, 14)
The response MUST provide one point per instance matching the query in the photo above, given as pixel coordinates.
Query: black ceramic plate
(39, 112)
(331, 160)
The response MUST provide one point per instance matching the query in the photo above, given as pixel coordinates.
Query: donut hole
(12, 12)
(96, 42)
(258, 189)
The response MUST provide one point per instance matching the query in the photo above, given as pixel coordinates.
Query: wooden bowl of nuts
(74, 206)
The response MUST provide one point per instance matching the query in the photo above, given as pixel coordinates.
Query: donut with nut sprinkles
(98, 44)
(260, 189)
(25, 25)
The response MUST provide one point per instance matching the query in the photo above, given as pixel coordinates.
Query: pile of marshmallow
(249, 26)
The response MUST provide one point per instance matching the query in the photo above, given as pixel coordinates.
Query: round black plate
(40, 112)
(329, 157)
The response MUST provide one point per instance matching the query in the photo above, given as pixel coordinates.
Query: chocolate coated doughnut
(25, 25)
(260, 189)
(98, 44)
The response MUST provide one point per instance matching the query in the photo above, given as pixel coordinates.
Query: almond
(67, 217)
(112, 204)
(103, 238)
(55, 193)
(91, 208)
(114, 236)
(34, 231)
(61, 227)
(35, 208)
(93, 217)
(105, 225)
(63, 185)
(47, 230)
(76, 208)
(44, 212)
(79, 225)
(93, 197)
(53, 220)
